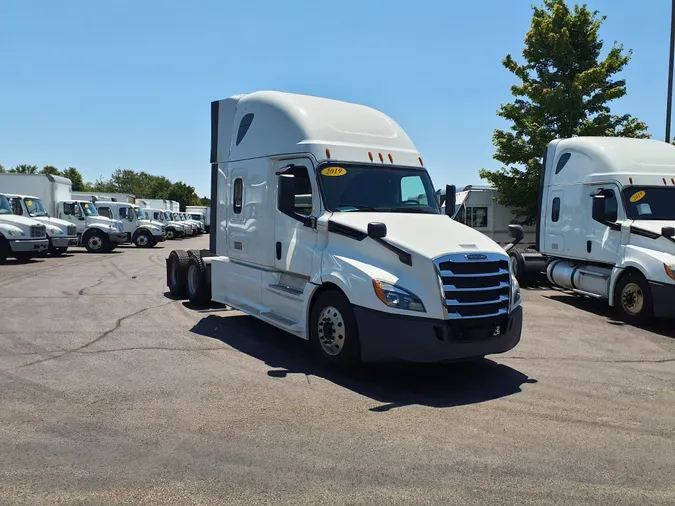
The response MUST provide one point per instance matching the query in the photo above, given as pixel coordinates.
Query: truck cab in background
(20, 237)
(327, 226)
(202, 214)
(190, 228)
(607, 222)
(174, 229)
(136, 224)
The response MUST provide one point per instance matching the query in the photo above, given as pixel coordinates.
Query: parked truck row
(40, 214)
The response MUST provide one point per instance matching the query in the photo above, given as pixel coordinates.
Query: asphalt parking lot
(113, 393)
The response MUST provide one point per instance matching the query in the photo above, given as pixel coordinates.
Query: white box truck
(114, 197)
(606, 224)
(137, 225)
(20, 237)
(96, 233)
(320, 230)
(201, 214)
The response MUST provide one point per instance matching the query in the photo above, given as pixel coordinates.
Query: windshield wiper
(359, 208)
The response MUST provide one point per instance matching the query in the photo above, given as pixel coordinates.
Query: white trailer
(162, 204)
(201, 214)
(20, 237)
(607, 222)
(53, 195)
(320, 230)
(114, 197)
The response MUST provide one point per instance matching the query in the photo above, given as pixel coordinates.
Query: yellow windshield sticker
(638, 196)
(333, 171)
(29, 203)
(86, 206)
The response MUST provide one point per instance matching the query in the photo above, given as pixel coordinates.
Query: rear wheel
(198, 286)
(176, 267)
(95, 241)
(333, 330)
(633, 298)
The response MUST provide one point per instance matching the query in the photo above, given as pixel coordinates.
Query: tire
(333, 332)
(170, 234)
(517, 265)
(54, 251)
(194, 253)
(197, 282)
(96, 242)
(176, 272)
(633, 298)
(143, 239)
(24, 256)
(5, 250)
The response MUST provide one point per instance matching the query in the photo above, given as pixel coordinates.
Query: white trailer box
(114, 197)
(95, 232)
(201, 214)
(154, 203)
(320, 230)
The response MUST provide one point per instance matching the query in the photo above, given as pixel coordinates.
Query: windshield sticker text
(333, 171)
(636, 197)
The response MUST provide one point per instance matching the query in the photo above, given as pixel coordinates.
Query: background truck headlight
(670, 270)
(397, 297)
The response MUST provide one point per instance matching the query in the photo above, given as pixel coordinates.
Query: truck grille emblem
(476, 256)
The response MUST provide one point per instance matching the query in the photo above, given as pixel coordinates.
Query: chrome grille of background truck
(475, 285)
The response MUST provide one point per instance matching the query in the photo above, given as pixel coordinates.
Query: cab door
(604, 232)
(293, 244)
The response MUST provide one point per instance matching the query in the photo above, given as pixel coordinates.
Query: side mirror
(377, 230)
(517, 232)
(286, 194)
(450, 199)
(668, 232)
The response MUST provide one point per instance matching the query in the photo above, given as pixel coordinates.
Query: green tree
(2, 169)
(50, 169)
(25, 169)
(76, 178)
(564, 91)
(204, 201)
(183, 194)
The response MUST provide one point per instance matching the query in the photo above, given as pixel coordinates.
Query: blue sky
(128, 83)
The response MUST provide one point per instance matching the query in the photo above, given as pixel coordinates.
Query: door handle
(589, 246)
(278, 250)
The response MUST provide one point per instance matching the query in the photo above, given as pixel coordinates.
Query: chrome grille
(475, 285)
(72, 230)
(37, 231)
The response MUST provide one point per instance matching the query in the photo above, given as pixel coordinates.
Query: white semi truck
(60, 233)
(201, 214)
(320, 230)
(94, 232)
(606, 224)
(20, 237)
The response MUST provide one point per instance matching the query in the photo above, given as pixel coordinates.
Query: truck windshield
(369, 188)
(650, 202)
(4, 205)
(196, 217)
(168, 216)
(89, 209)
(35, 207)
(142, 215)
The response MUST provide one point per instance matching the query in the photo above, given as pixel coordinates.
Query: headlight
(670, 270)
(516, 296)
(397, 297)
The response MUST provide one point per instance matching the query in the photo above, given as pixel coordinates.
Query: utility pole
(669, 105)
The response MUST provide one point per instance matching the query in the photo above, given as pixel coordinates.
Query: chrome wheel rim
(632, 299)
(193, 279)
(331, 331)
(95, 242)
(169, 234)
(142, 240)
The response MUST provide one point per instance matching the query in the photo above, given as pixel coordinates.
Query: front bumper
(24, 245)
(663, 296)
(159, 238)
(63, 242)
(388, 337)
(117, 237)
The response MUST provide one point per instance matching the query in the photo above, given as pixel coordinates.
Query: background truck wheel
(170, 234)
(517, 265)
(4, 250)
(176, 272)
(633, 298)
(95, 241)
(143, 239)
(198, 286)
(333, 332)
(54, 251)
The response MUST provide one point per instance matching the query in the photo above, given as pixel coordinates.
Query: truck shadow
(663, 328)
(438, 386)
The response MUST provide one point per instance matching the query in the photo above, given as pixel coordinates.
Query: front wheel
(55, 252)
(633, 298)
(143, 240)
(170, 234)
(96, 242)
(333, 331)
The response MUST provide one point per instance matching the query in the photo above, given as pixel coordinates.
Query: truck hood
(653, 225)
(18, 220)
(53, 221)
(429, 235)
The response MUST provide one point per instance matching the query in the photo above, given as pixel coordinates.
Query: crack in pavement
(105, 334)
(98, 282)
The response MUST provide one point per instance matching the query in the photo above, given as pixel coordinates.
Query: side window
(412, 188)
(605, 206)
(477, 217)
(612, 208)
(123, 213)
(69, 209)
(16, 206)
(303, 191)
(238, 195)
(555, 210)
(461, 215)
(104, 211)
(244, 125)
(562, 161)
